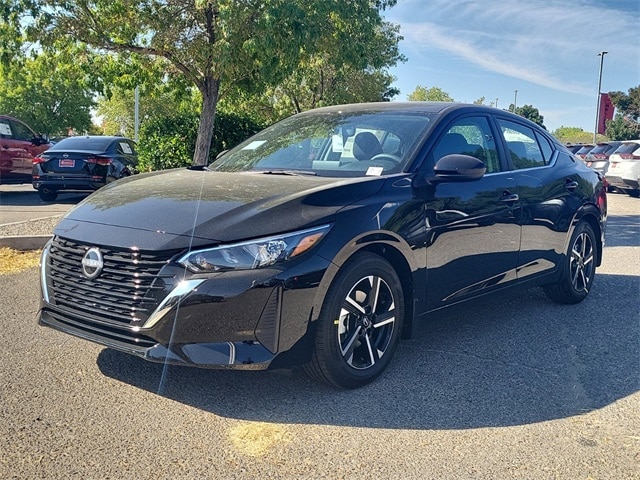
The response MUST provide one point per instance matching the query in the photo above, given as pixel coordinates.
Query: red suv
(18, 147)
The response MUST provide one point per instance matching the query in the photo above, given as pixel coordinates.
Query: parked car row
(82, 163)
(617, 161)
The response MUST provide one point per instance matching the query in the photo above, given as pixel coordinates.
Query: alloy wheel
(581, 264)
(366, 322)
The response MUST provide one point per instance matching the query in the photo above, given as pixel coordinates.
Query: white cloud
(547, 43)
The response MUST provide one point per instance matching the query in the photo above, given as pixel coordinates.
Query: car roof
(88, 142)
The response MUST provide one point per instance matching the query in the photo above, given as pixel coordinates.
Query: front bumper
(236, 320)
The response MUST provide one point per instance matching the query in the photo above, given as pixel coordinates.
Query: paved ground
(512, 386)
(21, 202)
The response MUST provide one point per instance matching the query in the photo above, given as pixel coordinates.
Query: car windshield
(339, 144)
(83, 143)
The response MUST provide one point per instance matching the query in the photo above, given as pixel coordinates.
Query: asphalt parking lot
(511, 386)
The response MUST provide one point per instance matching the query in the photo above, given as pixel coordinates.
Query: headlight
(254, 254)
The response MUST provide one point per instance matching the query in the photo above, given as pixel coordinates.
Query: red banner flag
(606, 112)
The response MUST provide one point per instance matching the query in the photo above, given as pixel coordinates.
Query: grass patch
(15, 261)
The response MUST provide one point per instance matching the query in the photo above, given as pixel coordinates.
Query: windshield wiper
(287, 172)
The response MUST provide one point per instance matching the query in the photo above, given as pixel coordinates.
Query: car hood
(179, 208)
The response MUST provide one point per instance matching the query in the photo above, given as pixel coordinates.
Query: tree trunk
(207, 119)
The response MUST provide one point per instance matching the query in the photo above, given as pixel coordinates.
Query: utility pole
(515, 100)
(595, 130)
(136, 113)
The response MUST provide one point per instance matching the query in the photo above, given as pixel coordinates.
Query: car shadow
(509, 359)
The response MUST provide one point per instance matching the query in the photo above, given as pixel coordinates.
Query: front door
(473, 227)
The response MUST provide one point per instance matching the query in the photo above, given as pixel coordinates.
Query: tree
(529, 112)
(433, 94)
(169, 141)
(219, 44)
(49, 92)
(626, 124)
(573, 135)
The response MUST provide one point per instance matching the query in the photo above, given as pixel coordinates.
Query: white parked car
(624, 168)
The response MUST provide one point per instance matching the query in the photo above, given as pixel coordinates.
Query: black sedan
(83, 164)
(326, 238)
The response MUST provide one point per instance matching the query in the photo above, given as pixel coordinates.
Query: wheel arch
(399, 255)
(590, 214)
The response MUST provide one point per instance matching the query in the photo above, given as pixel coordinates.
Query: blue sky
(545, 49)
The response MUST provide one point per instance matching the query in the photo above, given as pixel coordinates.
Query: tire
(359, 324)
(578, 268)
(47, 194)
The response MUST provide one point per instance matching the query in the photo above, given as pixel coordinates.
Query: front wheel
(47, 194)
(359, 325)
(578, 268)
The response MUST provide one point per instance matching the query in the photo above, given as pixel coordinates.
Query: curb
(35, 242)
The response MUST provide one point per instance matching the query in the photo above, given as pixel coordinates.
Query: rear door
(547, 188)
(474, 235)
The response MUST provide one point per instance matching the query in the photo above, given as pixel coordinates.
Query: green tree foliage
(433, 94)
(222, 44)
(572, 135)
(626, 124)
(529, 112)
(169, 141)
(52, 93)
(309, 89)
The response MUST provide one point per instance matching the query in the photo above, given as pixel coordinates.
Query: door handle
(508, 197)
(570, 185)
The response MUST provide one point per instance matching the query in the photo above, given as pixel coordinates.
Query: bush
(169, 142)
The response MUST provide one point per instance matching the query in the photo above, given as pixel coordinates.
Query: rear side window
(125, 148)
(523, 145)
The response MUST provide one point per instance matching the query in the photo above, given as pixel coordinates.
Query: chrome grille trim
(126, 291)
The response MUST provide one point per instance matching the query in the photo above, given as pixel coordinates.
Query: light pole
(595, 131)
(515, 100)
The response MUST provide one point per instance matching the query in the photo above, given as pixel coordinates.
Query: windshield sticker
(126, 148)
(337, 144)
(255, 144)
(4, 129)
(374, 171)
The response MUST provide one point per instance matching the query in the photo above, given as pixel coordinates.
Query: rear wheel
(359, 325)
(578, 269)
(47, 194)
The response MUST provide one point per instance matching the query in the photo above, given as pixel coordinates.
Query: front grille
(128, 289)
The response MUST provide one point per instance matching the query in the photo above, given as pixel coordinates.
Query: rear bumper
(620, 182)
(84, 184)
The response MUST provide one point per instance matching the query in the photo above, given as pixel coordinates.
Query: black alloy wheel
(360, 323)
(579, 268)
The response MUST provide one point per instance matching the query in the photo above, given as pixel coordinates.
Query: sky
(547, 50)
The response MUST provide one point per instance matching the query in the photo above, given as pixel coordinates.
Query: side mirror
(459, 168)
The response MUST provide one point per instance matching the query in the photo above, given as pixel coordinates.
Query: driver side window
(469, 136)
